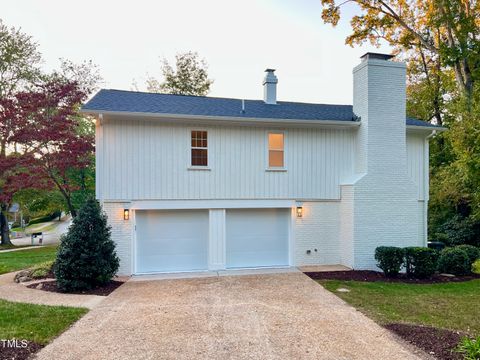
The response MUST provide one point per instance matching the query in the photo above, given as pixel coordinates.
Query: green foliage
(45, 218)
(472, 251)
(420, 262)
(189, 78)
(19, 60)
(36, 203)
(470, 348)
(454, 261)
(86, 256)
(42, 270)
(389, 259)
(476, 267)
(458, 231)
(454, 205)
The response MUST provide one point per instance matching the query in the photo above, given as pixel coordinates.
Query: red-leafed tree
(44, 142)
(51, 141)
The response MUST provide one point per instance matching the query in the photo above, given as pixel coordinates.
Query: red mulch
(439, 343)
(102, 291)
(372, 276)
(18, 353)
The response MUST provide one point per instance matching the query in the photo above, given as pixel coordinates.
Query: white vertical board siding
(416, 166)
(150, 160)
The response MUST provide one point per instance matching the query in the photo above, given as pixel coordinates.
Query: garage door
(257, 237)
(171, 240)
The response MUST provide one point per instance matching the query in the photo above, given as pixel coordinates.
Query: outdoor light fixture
(126, 214)
(299, 211)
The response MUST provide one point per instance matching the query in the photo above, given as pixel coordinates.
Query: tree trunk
(71, 208)
(4, 230)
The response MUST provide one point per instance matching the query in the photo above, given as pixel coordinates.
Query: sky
(238, 39)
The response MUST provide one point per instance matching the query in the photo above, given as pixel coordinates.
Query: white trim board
(210, 204)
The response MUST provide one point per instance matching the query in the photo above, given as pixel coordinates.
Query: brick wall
(122, 234)
(319, 229)
(385, 198)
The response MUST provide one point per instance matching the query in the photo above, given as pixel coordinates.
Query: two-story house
(203, 183)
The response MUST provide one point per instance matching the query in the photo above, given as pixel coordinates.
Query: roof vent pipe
(270, 87)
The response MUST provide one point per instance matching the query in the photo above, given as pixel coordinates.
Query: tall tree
(19, 67)
(440, 41)
(190, 76)
(441, 32)
(53, 141)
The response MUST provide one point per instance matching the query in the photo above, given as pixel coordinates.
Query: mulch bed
(372, 276)
(18, 353)
(440, 343)
(102, 291)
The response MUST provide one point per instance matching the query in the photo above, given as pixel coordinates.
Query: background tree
(40, 123)
(439, 40)
(440, 32)
(53, 143)
(19, 67)
(190, 76)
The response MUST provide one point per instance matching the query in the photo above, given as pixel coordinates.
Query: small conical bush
(86, 256)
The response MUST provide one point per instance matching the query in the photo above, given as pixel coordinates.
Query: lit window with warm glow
(276, 148)
(199, 148)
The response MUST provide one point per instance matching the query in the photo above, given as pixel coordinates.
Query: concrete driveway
(274, 316)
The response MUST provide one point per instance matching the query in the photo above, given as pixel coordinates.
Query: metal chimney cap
(376, 56)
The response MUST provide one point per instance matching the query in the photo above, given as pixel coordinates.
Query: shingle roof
(131, 101)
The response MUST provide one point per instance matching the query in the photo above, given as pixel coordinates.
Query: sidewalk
(11, 291)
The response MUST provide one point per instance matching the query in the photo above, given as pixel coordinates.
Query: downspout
(99, 163)
(426, 185)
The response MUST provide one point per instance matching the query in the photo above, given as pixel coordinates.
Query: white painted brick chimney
(270, 87)
(385, 210)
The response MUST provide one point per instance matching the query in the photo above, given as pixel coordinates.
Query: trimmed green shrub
(389, 259)
(476, 267)
(86, 257)
(454, 261)
(458, 230)
(420, 262)
(470, 348)
(472, 251)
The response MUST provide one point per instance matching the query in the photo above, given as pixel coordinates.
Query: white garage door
(257, 237)
(174, 240)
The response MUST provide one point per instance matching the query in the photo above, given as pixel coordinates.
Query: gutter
(426, 184)
(231, 119)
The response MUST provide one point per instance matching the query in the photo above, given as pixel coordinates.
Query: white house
(203, 183)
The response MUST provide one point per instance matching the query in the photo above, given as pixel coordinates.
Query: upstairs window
(276, 147)
(199, 148)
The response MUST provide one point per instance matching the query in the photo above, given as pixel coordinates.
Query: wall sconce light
(126, 214)
(299, 211)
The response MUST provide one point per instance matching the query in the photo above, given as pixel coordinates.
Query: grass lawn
(454, 306)
(43, 227)
(17, 260)
(38, 323)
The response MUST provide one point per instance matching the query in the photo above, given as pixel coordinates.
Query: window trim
(190, 147)
(267, 151)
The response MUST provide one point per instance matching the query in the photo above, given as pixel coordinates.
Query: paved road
(274, 316)
(49, 238)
